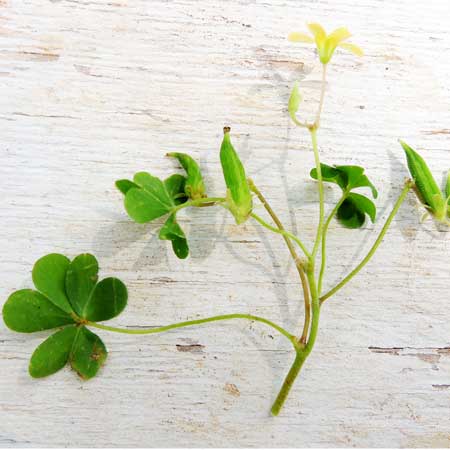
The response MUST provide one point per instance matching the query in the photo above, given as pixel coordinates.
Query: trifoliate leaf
(27, 311)
(194, 187)
(49, 277)
(88, 353)
(107, 300)
(53, 354)
(81, 277)
(173, 232)
(352, 212)
(346, 177)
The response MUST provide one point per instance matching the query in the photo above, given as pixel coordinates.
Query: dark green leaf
(49, 275)
(125, 185)
(194, 187)
(53, 354)
(172, 231)
(352, 212)
(346, 177)
(108, 299)
(81, 277)
(175, 187)
(27, 311)
(88, 353)
(150, 201)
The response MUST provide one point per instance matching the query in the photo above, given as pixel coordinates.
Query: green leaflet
(88, 353)
(194, 185)
(426, 188)
(175, 187)
(239, 197)
(52, 355)
(27, 311)
(48, 275)
(352, 212)
(149, 200)
(172, 231)
(354, 208)
(81, 277)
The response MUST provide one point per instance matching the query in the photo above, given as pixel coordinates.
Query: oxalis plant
(69, 297)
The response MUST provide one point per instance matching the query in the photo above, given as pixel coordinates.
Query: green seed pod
(194, 187)
(238, 192)
(425, 187)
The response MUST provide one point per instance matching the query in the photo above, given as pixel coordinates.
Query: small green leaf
(346, 177)
(125, 185)
(356, 178)
(53, 354)
(88, 353)
(107, 300)
(175, 187)
(27, 311)
(172, 231)
(49, 275)
(352, 212)
(239, 197)
(81, 277)
(194, 187)
(150, 200)
(294, 102)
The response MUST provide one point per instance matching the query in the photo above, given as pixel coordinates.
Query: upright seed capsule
(238, 192)
(426, 188)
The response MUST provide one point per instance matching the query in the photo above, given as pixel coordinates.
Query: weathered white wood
(91, 91)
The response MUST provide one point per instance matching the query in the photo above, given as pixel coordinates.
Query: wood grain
(92, 91)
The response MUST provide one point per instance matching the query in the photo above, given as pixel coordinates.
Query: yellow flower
(326, 44)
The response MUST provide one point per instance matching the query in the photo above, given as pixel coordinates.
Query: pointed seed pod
(426, 188)
(194, 187)
(239, 196)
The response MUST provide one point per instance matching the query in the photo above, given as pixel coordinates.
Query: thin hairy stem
(324, 242)
(190, 323)
(401, 198)
(298, 262)
(282, 232)
(322, 95)
(313, 132)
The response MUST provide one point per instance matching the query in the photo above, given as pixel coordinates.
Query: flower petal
(318, 32)
(339, 35)
(352, 48)
(300, 37)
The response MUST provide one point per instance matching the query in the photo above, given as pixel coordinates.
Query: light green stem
(283, 232)
(190, 323)
(401, 198)
(302, 353)
(313, 132)
(207, 201)
(324, 242)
